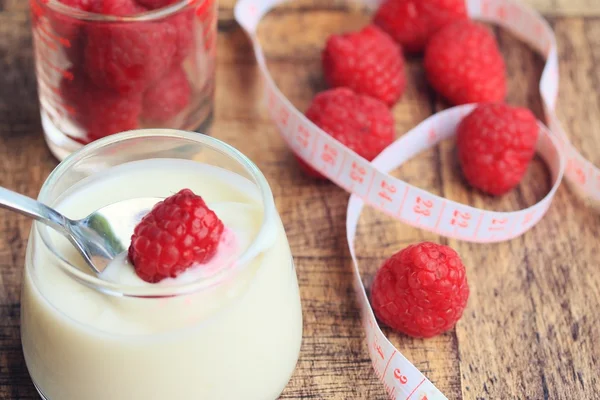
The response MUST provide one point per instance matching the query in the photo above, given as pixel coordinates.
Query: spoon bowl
(99, 237)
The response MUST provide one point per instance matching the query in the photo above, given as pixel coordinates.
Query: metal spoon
(99, 237)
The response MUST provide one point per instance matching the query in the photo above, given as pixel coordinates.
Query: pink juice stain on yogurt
(227, 254)
(121, 270)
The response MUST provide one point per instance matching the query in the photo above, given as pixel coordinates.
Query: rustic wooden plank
(566, 7)
(24, 164)
(578, 105)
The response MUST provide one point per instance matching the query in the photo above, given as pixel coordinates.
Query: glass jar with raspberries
(108, 66)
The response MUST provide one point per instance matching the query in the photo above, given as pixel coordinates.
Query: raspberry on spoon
(101, 112)
(177, 233)
(413, 22)
(154, 4)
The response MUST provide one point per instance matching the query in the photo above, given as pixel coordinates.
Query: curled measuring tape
(370, 183)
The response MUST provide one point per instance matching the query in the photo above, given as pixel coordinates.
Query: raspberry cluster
(462, 63)
(125, 74)
(422, 290)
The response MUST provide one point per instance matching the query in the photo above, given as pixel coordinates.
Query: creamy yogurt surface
(239, 338)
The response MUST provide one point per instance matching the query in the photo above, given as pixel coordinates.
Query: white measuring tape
(369, 182)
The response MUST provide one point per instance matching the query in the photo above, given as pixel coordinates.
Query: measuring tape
(370, 183)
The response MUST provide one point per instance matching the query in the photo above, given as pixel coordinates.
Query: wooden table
(531, 327)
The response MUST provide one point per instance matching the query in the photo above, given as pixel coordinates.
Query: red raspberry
(128, 57)
(175, 234)
(183, 23)
(421, 291)
(65, 26)
(368, 62)
(100, 112)
(361, 123)
(463, 64)
(412, 22)
(155, 4)
(168, 97)
(495, 144)
(84, 5)
(119, 8)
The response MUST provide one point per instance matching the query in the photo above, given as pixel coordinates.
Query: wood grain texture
(566, 7)
(553, 8)
(531, 322)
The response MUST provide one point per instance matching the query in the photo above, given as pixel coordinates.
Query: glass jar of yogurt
(232, 331)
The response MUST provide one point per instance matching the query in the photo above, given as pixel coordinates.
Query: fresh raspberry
(101, 112)
(412, 22)
(66, 27)
(84, 5)
(108, 113)
(495, 144)
(175, 234)
(168, 97)
(183, 23)
(155, 4)
(421, 291)
(119, 8)
(361, 123)
(463, 64)
(368, 62)
(128, 57)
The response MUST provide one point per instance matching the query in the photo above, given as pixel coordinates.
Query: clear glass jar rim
(147, 16)
(115, 289)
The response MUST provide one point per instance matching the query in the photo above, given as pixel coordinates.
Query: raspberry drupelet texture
(421, 291)
(65, 26)
(496, 143)
(128, 57)
(368, 61)
(101, 112)
(177, 233)
(168, 97)
(412, 22)
(154, 4)
(116, 7)
(463, 63)
(361, 123)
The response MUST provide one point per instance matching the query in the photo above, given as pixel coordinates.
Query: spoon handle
(34, 209)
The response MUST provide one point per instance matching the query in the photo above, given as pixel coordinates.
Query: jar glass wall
(101, 74)
(234, 333)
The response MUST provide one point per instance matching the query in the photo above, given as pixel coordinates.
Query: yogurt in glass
(229, 329)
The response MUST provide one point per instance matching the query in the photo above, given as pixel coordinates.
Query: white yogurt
(239, 339)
